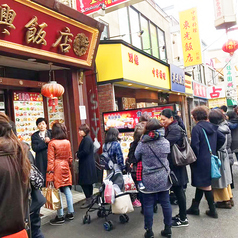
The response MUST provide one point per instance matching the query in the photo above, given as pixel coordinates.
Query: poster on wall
(28, 106)
(58, 114)
(125, 121)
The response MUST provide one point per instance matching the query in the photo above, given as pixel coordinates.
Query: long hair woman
(173, 133)
(59, 170)
(14, 177)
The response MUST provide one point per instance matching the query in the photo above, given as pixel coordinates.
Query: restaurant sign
(177, 78)
(29, 29)
(199, 90)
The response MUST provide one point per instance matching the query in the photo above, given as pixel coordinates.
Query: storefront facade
(39, 41)
(129, 78)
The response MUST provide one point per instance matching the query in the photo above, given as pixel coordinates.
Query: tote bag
(122, 204)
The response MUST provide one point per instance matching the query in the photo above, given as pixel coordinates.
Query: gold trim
(38, 52)
(54, 14)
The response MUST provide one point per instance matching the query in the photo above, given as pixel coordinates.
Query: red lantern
(52, 90)
(230, 46)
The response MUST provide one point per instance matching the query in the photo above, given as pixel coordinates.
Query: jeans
(180, 194)
(36, 224)
(67, 192)
(149, 201)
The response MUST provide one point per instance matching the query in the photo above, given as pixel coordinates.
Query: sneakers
(179, 223)
(136, 203)
(175, 218)
(69, 216)
(141, 185)
(57, 221)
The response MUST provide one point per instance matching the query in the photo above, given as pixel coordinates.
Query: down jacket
(59, 163)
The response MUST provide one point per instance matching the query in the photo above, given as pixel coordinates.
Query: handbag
(171, 175)
(20, 234)
(52, 196)
(122, 204)
(215, 161)
(36, 177)
(184, 155)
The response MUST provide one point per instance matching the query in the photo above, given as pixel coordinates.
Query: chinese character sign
(214, 92)
(231, 92)
(218, 9)
(190, 37)
(199, 90)
(177, 79)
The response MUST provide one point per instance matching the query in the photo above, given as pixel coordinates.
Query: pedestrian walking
(173, 133)
(153, 151)
(201, 169)
(39, 143)
(14, 182)
(87, 167)
(59, 170)
(221, 187)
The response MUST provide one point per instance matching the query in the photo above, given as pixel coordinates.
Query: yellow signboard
(119, 62)
(218, 102)
(190, 37)
(188, 84)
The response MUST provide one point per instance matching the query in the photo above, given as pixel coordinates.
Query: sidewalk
(50, 214)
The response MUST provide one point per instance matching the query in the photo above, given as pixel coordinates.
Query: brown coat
(13, 196)
(59, 163)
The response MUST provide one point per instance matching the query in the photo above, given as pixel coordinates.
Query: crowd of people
(149, 159)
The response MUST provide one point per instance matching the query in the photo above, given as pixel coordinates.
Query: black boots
(212, 209)
(194, 210)
(167, 231)
(149, 233)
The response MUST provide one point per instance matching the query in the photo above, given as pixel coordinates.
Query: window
(124, 24)
(162, 46)
(146, 35)
(135, 28)
(154, 40)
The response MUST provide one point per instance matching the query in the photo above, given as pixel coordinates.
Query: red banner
(199, 90)
(28, 28)
(90, 6)
(126, 120)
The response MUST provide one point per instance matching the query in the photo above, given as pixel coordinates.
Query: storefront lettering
(133, 58)
(215, 92)
(158, 73)
(199, 90)
(95, 1)
(7, 17)
(177, 78)
(65, 39)
(95, 119)
(35, 33)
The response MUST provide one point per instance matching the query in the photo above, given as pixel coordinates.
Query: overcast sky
(205, 9)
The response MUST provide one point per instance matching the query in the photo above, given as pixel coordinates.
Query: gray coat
(224, 153)
(154, 175)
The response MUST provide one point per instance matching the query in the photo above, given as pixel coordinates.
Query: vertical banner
(231, 92)
(190, 37)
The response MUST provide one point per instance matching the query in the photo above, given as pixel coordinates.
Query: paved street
(199, 227)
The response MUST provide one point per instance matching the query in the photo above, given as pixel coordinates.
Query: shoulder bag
(215, 161)
(171, 175)
(183, 155)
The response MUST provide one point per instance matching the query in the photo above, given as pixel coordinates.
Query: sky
(205, 10)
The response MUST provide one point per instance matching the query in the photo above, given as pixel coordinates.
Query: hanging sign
(190, 37)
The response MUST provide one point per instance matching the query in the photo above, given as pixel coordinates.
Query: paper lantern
(230, 46)
(52, 90)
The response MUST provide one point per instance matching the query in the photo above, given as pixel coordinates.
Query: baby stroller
(104, 209)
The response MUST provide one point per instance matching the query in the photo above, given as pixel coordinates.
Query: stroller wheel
(111, 224)
(100, 213)
(123, 218)
(86, 219)
(107, 225)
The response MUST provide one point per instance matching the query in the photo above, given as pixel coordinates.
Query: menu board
(125, 121)
(28, 106)
(58, 114)
(126, 139)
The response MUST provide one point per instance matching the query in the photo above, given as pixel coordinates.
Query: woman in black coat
(173, 133)
(39, 143)
(87, 167)
(201, 169)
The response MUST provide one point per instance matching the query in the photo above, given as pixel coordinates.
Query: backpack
(105, 160)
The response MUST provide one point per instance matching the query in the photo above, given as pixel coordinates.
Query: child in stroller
(104, 209)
